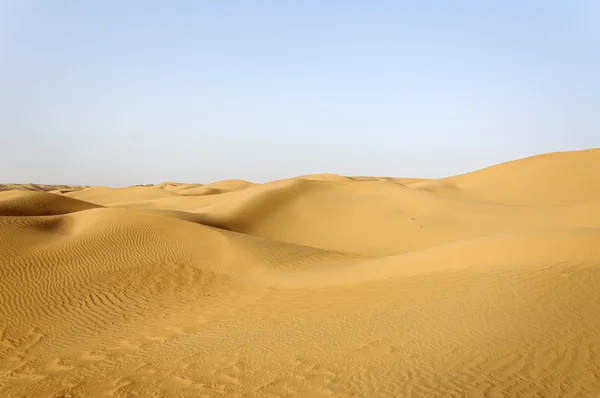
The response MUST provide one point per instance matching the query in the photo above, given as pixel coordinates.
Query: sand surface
(482, 284)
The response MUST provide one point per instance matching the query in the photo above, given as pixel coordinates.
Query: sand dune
(552, 179)
(229, 185)
(41, 187)
(36, 203)
(482, 284)
(403, 181)
(107, 196)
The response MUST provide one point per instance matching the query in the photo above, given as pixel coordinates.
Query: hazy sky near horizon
(127, 92)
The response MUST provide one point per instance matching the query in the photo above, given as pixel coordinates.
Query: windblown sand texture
(483, 284)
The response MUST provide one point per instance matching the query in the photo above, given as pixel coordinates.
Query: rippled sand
(482, 284)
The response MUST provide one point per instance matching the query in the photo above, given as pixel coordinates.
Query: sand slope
(551, 179)
(484, 284)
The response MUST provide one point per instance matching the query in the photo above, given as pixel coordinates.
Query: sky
(133, 92)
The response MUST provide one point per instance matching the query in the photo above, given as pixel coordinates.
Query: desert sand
(482, 284)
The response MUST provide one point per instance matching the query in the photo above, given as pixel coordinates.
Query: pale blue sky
(127, 92)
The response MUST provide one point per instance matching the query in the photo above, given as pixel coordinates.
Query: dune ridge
(481, 284)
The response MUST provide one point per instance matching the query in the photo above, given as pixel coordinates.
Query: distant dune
(481, 284)
(41, 187)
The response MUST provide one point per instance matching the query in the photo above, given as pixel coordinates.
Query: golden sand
(482, 284)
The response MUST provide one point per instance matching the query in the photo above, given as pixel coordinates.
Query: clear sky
(127, 92)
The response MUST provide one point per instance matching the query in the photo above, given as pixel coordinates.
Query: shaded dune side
(32, 203)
